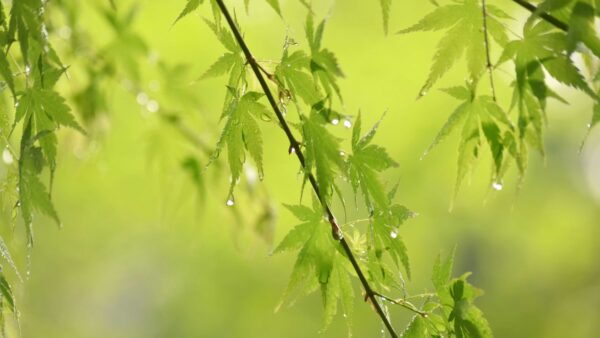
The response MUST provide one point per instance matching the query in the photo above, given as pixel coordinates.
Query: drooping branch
(549, 18)
(295, 148)
(486, 41)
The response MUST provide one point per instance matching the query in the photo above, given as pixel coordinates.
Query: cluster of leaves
(29, 69)
(454, 314)
(543, 50)
(33, 108)
(307, 81)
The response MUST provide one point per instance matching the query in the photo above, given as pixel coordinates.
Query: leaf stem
(548, 17)
(486, 41)
(294, 144)
(405, 304)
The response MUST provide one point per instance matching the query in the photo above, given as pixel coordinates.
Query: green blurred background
(140, 254)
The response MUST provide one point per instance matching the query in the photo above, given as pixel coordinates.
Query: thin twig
(404, 304)
(294, 145)
(548, 17)
(486, 41)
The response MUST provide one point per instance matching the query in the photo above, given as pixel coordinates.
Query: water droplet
(589, 125)
(142, 98)
(27, 70)
(342, 153)
(422, 93)
(152, 106)
(347, 123)
(394, 233)
(7, 156)
(230, 202)
(292, 150)
(64, 32)
(497, 186)
(345, 315)
(265, 117)
(335, 122)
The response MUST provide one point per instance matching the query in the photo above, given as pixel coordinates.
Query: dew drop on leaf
(230, 202)
(27, 70)
(342, 153)
(347, 123)
(7, 156)
(394, 233)
(335, 122)
(497, 186)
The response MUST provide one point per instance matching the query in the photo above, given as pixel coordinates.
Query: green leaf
(222, 66)
(241, 131)
(33, 196)
(194, 170)
(464, 22)
(322, 152)
(275, 5)
(442, 271)
(291, 72)
(7, 293)
(319, 263)
(468, 319)
(417, 328)
(190, 6)
(385, 12)
(6, 73)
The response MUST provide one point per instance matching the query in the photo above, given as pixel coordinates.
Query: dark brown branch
(295, 146)
(549, 18)
(486, 41)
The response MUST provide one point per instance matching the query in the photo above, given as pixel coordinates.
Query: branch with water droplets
(295, 148)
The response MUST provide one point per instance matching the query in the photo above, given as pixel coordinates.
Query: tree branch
(486, 41)
(295, 148)
(549, 18)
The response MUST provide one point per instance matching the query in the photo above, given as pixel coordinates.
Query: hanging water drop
(347, 123)
(27, 70)
(7, 156)
(335, 122)
(230, 202)
(292, 150)
(342, 153)
(497, 186)
(394, 233)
